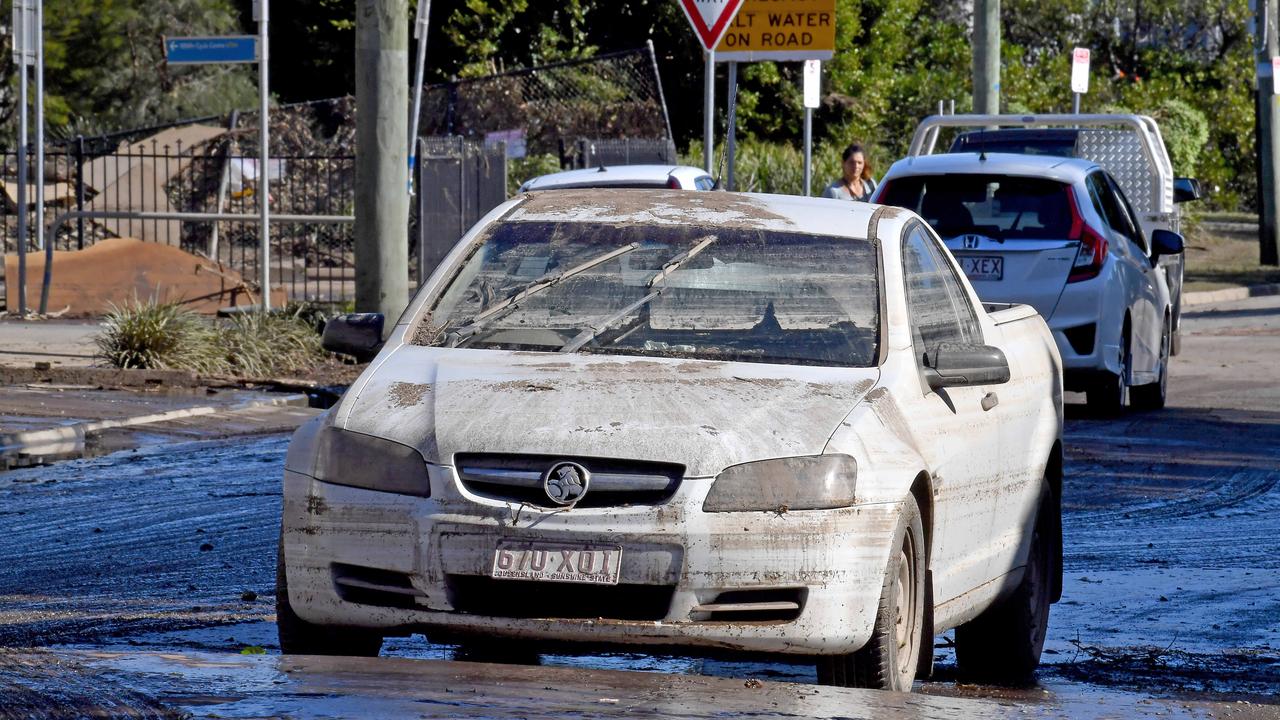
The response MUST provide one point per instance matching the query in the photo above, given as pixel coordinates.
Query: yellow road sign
(780, 30)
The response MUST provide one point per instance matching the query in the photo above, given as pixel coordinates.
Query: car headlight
(816, 482)
(364, 461)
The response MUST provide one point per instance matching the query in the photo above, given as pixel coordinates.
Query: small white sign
(812, 83)
(1080, 70)
(1275, 76)
(25, 33)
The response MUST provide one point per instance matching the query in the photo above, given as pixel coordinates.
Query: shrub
(156, 336)
(150, 335)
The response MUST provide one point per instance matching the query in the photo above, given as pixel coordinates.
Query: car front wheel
(299, 637)
(1003, 644)
(888, 661)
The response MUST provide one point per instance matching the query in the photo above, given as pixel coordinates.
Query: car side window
(939, 308)
(1116, 215)
(704, 182)
(1128, 212)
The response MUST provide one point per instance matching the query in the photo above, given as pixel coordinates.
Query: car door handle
(989, 401)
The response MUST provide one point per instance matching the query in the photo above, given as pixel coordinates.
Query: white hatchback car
(725, 422)
(1056, 233)
(672, 177)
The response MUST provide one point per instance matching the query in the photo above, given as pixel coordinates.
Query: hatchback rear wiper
(668, 267)
(512, 301)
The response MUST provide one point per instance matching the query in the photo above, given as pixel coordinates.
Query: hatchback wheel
(1110, 393)
(1152, 396)
(299, 637)
(889, 659)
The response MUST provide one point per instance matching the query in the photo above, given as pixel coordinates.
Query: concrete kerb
(1206, 297)
(72, 436)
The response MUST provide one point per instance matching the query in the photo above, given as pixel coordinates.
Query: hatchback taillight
(672, 182)
(1093, 245)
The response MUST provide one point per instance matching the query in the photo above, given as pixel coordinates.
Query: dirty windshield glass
(1002, 207)
(702, 292)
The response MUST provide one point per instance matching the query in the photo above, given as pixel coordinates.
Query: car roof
(1052, 167)
(605, 175)
(786, 213)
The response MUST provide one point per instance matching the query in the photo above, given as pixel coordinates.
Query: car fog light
(364, 461)
(816, 482)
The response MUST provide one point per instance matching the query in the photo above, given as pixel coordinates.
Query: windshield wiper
(512, 302)
(668, 267)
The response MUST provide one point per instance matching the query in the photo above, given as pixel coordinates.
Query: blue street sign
(205, 50)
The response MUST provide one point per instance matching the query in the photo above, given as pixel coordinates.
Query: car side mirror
(959, 365)
(1187, 189)
(1165, 242)
(358, 335)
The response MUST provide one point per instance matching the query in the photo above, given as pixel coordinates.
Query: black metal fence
(614, 95)
(312, 261)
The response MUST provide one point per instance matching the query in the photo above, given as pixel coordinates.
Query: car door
(1140, 277)
(957, 432)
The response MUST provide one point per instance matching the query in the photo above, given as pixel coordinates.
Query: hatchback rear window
(996, 206)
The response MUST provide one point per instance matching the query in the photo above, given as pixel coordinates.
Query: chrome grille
(518, 478)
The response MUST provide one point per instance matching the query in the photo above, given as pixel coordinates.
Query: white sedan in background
(719, 421)
(1056, 233)
(672, 177)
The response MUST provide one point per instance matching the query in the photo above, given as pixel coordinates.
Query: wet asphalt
(141, 582)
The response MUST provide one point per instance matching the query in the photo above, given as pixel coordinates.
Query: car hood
(701, 414)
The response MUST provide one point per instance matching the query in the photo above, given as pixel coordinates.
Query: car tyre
(1003, 645)
(1110, 393)
(1152, 396)
(299, 637)
(889, 659)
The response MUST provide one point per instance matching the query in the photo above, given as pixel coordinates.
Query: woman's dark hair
(853, 149)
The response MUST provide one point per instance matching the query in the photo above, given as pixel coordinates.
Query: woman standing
(856, 182)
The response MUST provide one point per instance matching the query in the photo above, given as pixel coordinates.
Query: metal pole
(22, 182)
(39, 28)
(1075, 103)
(986, 57)
(264, 171)
(1268, 144)
(223, 182)
(731, 148)
(80, 190)
(808, 151)
(420, 27)
(709, 112)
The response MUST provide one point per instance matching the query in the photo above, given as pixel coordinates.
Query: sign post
(710, 19)
(812, 85)
(224, 49)
(24, 56)
(1079, 77)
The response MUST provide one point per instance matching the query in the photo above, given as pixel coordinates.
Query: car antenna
(729, 127)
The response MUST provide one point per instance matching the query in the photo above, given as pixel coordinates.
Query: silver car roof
(1052, 167)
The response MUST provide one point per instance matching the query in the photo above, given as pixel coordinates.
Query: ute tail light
(673, 183)
(1092, 252)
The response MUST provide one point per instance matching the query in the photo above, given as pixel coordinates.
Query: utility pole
(382, 205)
(1266, 46)
(986, 57)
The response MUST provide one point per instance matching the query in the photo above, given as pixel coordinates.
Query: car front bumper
(361, 558)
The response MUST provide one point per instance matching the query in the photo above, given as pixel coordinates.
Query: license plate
(591, 564)
(983, 267)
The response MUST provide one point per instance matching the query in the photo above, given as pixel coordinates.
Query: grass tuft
(165, 336)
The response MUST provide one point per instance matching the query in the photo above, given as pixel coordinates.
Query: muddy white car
(709, 420)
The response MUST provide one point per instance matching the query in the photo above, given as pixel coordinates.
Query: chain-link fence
(617, 95)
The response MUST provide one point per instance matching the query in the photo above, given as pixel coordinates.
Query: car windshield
(688, 291)
(1002, 207)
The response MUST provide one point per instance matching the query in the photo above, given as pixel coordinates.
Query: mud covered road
(141, 583)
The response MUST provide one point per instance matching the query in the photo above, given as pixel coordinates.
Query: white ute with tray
(721, 422)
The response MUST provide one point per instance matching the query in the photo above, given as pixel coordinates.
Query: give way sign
(710, 18)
